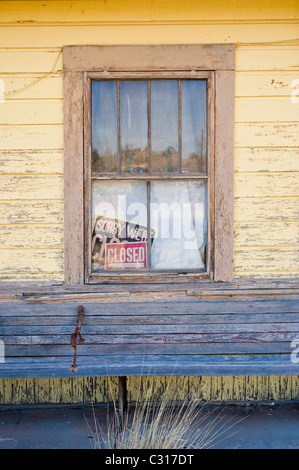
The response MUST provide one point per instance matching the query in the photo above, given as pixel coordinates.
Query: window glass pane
(104, 127)
(178, 215)
(164, 126)
(194, 138)
(133, 126)
(119, 217)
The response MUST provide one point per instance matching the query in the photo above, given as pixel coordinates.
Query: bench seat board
(152, 365)
(198, 337)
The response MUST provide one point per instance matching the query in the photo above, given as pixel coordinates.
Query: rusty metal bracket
(74, 337)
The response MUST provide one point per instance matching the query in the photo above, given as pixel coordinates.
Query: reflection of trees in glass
(134, 160)
(201, 156)
(168, 157)
(128, 159)
(104, 160)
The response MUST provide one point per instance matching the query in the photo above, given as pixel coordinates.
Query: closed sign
(125, 255)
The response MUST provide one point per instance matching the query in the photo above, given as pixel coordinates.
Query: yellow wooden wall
(266, 216)
(32, 33)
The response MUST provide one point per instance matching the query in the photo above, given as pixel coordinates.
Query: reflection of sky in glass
(133, 114)
(104, 117)
(193, 116)
(164, 113)
(124, 200)
(164, 119)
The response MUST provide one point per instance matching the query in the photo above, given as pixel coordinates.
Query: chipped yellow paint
(93, 390)
(261, 159)
(38, 112)
(31, 137)
(28, 162)
(270, 109)
(145, 10)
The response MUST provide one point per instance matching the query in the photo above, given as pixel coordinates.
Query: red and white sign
(125, 255)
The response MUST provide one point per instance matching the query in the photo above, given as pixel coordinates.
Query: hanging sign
(118, 244)
(125, 255)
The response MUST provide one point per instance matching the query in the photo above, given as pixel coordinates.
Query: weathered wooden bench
(221, 331)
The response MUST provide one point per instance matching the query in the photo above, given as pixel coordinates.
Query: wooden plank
(47, 350)
(153, 57)
(266, 259)
(269, 109)
(147, 338)
(31, 162)
(32, 137)
(255, 290)
(54, 12)
(31, 187)
(123, 33)
(165, 319)
(254, 134)
(150, 329)
(143, 10)
(266, 184)
(224, 183)
(142, 308)
(37, 261)
(265, 233)
(266, 159)
(31, 236)
(35, 212)
(32, 278)
(19, 112)
(30, 60)
(260, 83)
(266, 208)
(267, 57)
(32, 86)
(159, 365)
(73, 178)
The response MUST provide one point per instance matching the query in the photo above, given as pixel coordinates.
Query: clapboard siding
(31, 261)
(133, 33)
(143, 10)
(253, 233)
(31, 187)
(26, 137)
(270, 109)
(16, 60)
(266, 208)
(261, 159)
(16, 112)
(31, 236)
(265, 84)
(32, 86)
(33, 211)
(14, 162)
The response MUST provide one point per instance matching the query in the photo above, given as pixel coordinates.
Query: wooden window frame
(80, 65)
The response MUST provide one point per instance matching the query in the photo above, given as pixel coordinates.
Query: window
(148, 163)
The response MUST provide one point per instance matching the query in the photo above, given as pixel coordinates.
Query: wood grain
(73, 178)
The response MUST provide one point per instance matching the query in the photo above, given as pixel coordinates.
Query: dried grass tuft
(161, 425)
